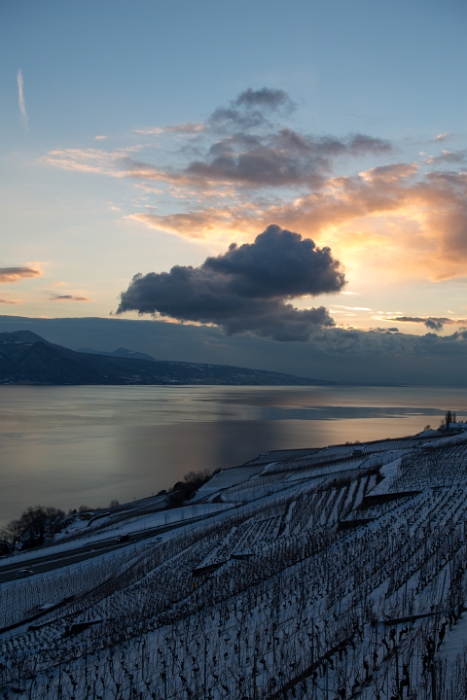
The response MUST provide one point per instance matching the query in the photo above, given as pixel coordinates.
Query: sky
(272, 170)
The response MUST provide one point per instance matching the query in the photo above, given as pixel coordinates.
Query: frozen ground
(323, 576)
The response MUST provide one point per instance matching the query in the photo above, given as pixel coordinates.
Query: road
(49, 562)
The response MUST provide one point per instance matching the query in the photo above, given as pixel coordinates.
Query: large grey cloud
(242, 145)
(245, 289)
(279, 158)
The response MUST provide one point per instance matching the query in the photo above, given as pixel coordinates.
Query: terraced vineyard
(330, 576)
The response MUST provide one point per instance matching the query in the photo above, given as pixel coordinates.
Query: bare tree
(34, 524)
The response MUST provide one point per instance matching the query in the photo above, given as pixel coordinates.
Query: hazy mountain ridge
(119, 352)
(26, 358)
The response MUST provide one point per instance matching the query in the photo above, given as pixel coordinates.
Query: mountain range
(27, 358)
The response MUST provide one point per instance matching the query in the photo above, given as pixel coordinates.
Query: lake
(72, 446)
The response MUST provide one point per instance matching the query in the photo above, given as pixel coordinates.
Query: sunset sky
(142, 135)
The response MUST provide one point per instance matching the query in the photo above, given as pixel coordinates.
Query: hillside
(26, 358)
(330, 573)
(119, 352)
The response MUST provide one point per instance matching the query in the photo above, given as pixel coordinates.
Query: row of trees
(183, 490)
(33, 526)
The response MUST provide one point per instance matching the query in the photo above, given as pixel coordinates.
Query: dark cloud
(451, 157)
(431, 322)
(67, 297)
(226, 119)
(435, 324)
(279, 264)
(14, 274)
(280, 158)
(246, 153)
(245, 289)
(360, 144)
(385, 330)
(266, 98)
(251, 109)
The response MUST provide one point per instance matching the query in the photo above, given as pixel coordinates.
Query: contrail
(21, 102)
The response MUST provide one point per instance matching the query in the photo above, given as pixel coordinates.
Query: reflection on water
(67, 446)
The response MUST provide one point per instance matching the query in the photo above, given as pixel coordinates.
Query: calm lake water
(69, 446)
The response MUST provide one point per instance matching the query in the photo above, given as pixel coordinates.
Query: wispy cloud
(92, 160)
(9, 275)
(21, 100)
(186, 128)
(442, 137)
(453, 157)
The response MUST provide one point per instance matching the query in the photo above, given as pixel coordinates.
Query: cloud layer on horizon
(245, 289)
(371, 357)
(433, 323)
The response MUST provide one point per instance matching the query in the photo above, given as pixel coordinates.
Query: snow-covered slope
(325, 576)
